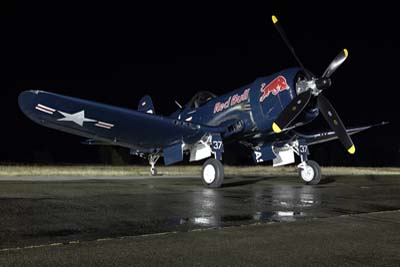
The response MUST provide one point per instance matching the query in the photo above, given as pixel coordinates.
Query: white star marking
(78, 117)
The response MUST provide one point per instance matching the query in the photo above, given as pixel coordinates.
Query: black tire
(316, 177)
(212, 173)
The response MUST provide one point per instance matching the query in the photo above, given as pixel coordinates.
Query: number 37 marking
(217, 145)
(303, 149)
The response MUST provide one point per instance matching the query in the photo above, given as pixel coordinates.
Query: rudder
(146, 105)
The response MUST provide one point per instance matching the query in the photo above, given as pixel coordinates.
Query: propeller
(314, 88)
(335, 64)
(292, 110)
(286, 40)
(336, 124)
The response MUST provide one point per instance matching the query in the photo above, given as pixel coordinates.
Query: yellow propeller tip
(274, 19)
(352, 149)
(346, 53)
(276, 128)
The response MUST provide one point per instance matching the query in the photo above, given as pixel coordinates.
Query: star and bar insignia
(77, 117)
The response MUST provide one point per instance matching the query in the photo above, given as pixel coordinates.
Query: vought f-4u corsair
(262, 115)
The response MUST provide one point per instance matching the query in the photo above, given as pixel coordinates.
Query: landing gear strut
(152, 161)
(309, 170)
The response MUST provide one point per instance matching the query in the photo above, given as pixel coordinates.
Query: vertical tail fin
(146, 105)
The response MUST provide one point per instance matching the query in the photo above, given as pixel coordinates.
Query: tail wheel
(153, 171)
(310, 172)
(213, 173)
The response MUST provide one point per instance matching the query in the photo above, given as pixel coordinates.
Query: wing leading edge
(322, 137)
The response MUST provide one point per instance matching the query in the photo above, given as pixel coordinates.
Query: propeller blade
(286, 40)
(335, 123)
(291, 111)
(335, 64)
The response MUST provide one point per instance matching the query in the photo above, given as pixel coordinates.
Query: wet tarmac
(41, 212)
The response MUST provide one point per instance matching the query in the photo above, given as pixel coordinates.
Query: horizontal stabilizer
(146, 105)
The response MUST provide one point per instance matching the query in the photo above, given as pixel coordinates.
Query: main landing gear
(212, 173)
(309, 170)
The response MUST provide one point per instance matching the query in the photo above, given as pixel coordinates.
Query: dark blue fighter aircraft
(262, 116)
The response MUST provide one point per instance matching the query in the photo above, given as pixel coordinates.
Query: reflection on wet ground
(284, 203)
(45, 212)
(229, 220)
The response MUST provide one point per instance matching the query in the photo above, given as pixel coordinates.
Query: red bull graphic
(279, 84)
(232, 101)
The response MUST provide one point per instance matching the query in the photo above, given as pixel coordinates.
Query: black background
(115, 53)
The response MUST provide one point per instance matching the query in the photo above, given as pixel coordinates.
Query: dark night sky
(116, 53)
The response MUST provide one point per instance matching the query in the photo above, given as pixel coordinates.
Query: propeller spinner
(314, 87)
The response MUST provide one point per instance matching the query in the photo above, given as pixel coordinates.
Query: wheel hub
(209, 174)
(307, 173)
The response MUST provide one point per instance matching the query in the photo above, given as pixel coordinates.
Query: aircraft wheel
(213, 173)
(310, 172)
(153, 171)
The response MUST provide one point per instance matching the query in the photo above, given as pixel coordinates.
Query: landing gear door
(284, 156)
(217, 147)
(263, 153)
(173, 154)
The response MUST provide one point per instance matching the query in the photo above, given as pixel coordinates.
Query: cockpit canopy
(200, 99)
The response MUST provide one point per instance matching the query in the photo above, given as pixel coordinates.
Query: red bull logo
(279, 84)
(232, 101)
